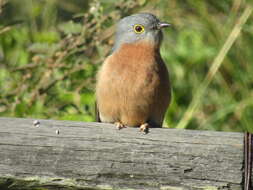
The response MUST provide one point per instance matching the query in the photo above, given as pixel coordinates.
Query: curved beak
(161, 25)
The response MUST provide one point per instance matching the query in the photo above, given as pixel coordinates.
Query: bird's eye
(138, 29)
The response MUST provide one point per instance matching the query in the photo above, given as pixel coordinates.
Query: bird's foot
(144, 128)
(119, 125)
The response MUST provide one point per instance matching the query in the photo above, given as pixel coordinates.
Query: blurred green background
(50, 51)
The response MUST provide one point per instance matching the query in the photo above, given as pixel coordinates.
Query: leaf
(87, 98)
(70, 28)
(67, 97)
(42, 48)
(77, 117)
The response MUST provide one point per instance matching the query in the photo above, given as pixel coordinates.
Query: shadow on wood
(98, 156)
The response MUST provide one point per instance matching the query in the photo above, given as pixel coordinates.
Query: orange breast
(132, 82)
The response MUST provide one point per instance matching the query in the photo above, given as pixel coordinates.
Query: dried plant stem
(214, 68)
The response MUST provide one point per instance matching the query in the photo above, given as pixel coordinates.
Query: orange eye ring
(138, 28)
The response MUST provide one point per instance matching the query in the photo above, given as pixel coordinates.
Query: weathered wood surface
(97, 156)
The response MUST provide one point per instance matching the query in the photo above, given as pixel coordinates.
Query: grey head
(141, 26)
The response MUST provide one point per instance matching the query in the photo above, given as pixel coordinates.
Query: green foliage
(50, 52)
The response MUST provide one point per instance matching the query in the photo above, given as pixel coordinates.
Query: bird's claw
(120, 125)
(144, 128)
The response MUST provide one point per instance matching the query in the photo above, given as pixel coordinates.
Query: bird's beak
(161, 25)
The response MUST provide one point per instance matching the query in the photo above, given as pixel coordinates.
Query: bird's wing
(97, 112)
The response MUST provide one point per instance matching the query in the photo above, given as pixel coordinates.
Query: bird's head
(138, 27)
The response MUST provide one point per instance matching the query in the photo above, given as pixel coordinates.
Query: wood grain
(97, 156)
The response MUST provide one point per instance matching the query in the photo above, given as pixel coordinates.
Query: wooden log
(78, 155)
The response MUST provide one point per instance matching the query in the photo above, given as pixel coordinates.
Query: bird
(133, 87)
